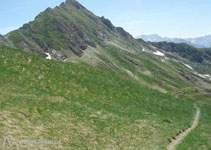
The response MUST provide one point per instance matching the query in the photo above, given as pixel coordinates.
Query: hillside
(84, 107)
(186, 51)
(66, 30)
(200, 59)
(73, 77)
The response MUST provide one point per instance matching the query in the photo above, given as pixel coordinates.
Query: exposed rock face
(75, 3)
(2, 38)
(3, 41)
(123, 33)
(108, 24)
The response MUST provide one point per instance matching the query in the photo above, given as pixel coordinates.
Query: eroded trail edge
(174, 142)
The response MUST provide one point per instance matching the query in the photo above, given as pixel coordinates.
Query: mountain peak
(71, 1)
(74, 3)
(66, 30)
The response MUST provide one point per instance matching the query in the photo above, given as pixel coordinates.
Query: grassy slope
(150, 69)
(84, 107)
(199, 138)
(194, 55)
(66, 29)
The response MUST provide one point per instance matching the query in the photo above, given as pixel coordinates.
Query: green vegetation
(108, 92)
(67, 28)
(84, 107)
(186, 51)
(199, 138)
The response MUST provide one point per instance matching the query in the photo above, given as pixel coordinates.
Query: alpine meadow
(70, 80)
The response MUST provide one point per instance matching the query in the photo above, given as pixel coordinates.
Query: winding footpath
(181, 136)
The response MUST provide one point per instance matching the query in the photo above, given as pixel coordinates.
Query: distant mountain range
(199, 42)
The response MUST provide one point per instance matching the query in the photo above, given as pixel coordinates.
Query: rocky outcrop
(75, 4)
(108, 23)
(2, 39)
(123, 33)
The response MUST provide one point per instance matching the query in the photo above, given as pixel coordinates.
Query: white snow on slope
(49, 56)
(205, 76)
(188, 66)
(158, 53)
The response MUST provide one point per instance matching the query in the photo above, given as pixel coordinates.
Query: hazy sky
(173, 18)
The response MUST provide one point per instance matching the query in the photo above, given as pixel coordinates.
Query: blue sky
(173, 18)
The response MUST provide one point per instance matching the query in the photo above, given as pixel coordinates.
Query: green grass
(199, 138)
(84, 107)
(162, 74)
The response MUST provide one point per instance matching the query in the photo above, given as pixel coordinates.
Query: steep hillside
(97, 107)
(84, 107)
(66, 30)
(186, 51)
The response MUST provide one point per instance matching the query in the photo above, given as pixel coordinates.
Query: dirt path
(181, 136)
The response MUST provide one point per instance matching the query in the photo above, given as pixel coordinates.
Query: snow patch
(205, 76)
(49, 56)
(158, 53)
(188, 66)
(143, 50)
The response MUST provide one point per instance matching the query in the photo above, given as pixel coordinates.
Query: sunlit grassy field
(200, 138)
(84, 107)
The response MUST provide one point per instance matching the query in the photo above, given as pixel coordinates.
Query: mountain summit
(66, 30)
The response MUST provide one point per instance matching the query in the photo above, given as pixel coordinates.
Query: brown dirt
(174, 142)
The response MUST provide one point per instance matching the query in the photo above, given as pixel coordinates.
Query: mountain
(186, 51)
(200, 42)
(66, 30)
(157, 38)
(205, 41)
(103, 89)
